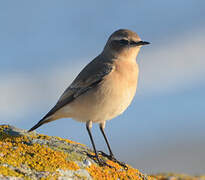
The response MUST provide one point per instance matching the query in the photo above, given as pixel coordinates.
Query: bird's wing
(88, 78)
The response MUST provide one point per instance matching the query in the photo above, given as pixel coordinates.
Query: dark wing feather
(88, 78)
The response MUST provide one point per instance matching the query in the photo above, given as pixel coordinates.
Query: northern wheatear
(104, 88)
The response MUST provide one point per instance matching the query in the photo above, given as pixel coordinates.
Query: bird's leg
(102, 126)
(100, 161)
(111, 156)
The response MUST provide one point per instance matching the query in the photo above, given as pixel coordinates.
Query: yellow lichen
(5, 171)
(103, 173)
(16, 151)
(20, 152)
(69, 141)
(174, 176)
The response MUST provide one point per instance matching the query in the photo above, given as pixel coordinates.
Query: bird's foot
(100, 161)
(112, 158)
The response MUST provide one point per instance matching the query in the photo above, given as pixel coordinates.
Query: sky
(45, 44)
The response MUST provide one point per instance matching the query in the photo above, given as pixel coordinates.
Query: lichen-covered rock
(174, 176)
(26, 155)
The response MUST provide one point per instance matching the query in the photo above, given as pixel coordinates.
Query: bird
(103, 89)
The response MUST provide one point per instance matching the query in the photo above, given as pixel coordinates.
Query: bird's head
(124, 42)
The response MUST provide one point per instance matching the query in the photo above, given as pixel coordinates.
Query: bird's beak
(141, 43)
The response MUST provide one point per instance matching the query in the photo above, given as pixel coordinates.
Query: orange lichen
(20, 150)
(5, 171)
(16, 151)
(174, 176)
(69, 141)
(41, 136)
(103, 173)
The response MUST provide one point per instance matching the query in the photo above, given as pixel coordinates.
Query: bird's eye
(124, 42)
(132, 43)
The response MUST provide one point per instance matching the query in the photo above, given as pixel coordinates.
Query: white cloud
(173, 65)
(22, 92)
(170, 67)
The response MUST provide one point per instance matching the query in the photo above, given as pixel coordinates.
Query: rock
(174, 176)
(26, 155)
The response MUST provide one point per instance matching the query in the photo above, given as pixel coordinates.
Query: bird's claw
(112, 158)
(100, 161)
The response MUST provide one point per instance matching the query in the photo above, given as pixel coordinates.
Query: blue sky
(44, 44)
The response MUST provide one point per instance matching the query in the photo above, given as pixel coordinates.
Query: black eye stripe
(124, 42)
(132, 43)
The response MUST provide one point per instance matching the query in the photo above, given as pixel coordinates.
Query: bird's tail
(41, 122)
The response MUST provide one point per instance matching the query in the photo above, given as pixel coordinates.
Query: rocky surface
(26, 155)
(173, 176)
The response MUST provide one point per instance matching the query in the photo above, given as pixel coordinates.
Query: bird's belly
(103, 102)
(100, 107)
